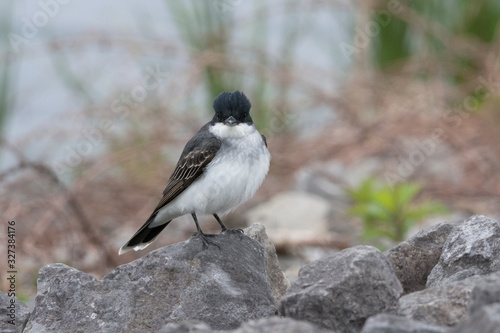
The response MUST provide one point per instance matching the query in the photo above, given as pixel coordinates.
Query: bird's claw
(205, 238)
(240, 231)
(235, 231)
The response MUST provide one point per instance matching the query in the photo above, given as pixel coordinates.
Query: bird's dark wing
(197, 154)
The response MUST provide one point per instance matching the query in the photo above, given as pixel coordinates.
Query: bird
(221, 167)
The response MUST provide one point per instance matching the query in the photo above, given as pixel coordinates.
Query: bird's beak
(230, 121)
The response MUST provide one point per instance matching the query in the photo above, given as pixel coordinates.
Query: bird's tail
(144, 236)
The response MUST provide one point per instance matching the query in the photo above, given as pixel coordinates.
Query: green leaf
(405, 192)
(364, 192)
(388, 212)
(385, 197)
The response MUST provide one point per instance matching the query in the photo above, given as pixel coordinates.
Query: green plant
(447, 22)
(389, 212)
(206, 31)
(232, 55)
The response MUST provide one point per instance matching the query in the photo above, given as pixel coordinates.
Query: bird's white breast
(231, 178)
(239, 167)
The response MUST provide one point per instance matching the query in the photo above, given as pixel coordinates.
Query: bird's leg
(223, 227)
(203, 236)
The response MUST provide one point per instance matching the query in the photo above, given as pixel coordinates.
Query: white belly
(232, 178)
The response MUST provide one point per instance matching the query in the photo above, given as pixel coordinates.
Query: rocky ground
(445, 279)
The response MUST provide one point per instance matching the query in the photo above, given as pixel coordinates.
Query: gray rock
(444, 305)
(472, 248)
(330, 179)
(222, 285)
(414, 259)
(272, 324)
(188, 327)
(14, 314)
(279, 325)
(485, 320)
(341, 291)
(387, 323)
(279, 282)
(285, 214)
(486, 291)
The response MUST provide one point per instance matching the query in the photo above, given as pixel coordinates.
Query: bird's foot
(234, 231)
(206, 239)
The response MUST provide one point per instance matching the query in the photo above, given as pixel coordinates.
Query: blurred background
(382, 117)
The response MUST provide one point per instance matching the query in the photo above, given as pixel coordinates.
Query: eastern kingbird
(221, 167)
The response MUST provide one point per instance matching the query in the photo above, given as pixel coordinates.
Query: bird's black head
(232, 109)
